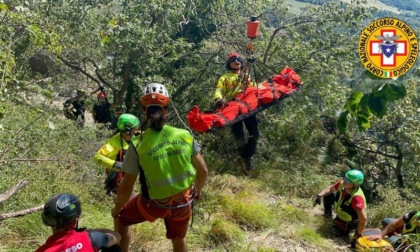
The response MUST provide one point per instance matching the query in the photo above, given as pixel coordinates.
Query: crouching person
(349, 203)
(61, 213)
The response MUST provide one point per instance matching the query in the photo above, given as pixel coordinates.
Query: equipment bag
(363, 243)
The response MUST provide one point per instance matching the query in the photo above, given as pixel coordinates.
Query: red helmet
(101, 95)
(155, 94)
(233, 55)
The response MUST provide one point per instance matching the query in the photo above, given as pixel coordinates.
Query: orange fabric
(139, 209)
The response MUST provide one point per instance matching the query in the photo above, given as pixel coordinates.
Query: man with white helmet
(171, 171)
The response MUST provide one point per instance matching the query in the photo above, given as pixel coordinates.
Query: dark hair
(155, 114)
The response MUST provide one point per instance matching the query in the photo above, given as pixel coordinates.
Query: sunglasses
(233, 59)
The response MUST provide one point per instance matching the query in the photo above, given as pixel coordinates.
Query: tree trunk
(398, 167)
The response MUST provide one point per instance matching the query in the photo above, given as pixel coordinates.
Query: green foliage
(184, 45)
(411, 242)
(392, 205)
(363, 106)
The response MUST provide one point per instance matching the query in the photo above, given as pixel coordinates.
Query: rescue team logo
(388, 47)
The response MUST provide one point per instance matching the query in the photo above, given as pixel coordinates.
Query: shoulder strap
(142, 176)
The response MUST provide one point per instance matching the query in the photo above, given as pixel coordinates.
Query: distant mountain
(406, 10)
(379, 4)
(404, 5)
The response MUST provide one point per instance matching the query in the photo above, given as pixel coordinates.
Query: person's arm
(102, 157)
(218, 95)
(362, 219)
(100, 88)
(201, 168)
(391, 227)
(130, 167)
(123, 193)
(327, 190)
(104, 238)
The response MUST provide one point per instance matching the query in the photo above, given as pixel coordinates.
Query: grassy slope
(243, 214)
(270, 211)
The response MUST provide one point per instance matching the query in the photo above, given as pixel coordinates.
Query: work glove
(317, 200)
(118, 165)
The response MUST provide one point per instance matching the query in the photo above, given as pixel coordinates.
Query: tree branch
(77, 67)
(13, 190)
(37, 160)
(98, 74)
(20, 213)
(377, 152)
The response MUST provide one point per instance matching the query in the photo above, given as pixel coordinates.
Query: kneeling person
(61, 213)
(348, 201)
(407, 224)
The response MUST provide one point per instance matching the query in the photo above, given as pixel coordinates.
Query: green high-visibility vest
(344, 210)
(165, 157)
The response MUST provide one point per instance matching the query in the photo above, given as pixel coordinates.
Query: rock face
(44, 64)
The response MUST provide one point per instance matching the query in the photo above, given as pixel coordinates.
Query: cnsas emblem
(388, 47)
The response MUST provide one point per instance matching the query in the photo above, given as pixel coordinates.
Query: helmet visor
(235, 58)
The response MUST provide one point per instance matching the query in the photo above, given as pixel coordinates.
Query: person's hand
(317, 200)
(115, 212)
(197, 196)
(118, 165)
(218, 102)
(376, 237)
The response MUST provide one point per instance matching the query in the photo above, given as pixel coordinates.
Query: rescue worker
(101, 110)
(228, 87)
(407, 224)
(349, 203)
(111, 155)
(61, 213)
(75, 106)
(171, 173)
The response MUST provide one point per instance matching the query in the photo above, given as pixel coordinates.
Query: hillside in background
(403, 7)
(389, 6)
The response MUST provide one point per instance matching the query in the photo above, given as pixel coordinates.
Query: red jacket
(68, 241)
